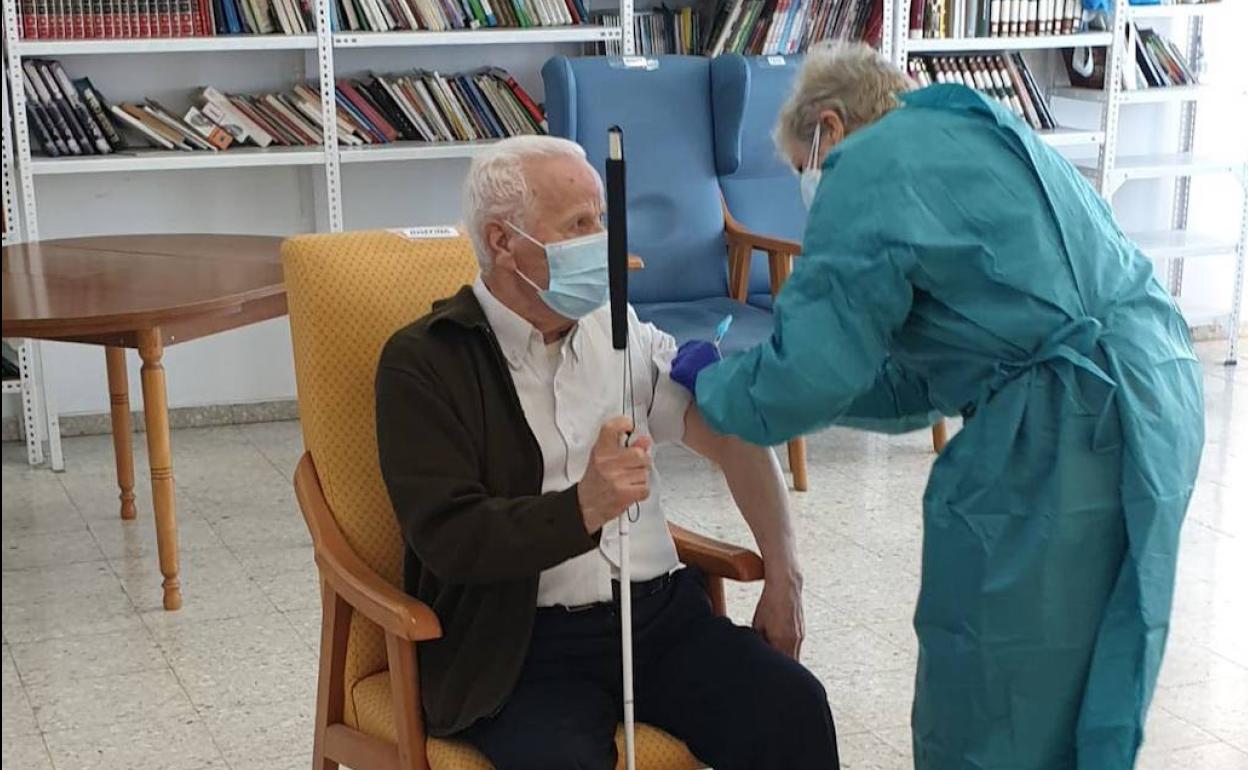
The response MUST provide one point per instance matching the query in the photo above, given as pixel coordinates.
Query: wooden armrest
(356, 582)
(636, 263)
(715, 557)
(776, 247)
(739, 234)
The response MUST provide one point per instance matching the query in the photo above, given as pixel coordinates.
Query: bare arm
(758, 488)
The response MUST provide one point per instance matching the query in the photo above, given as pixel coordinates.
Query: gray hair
(496, 189)
(851, 79)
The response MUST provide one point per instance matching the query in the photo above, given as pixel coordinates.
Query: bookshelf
(1173, 248)
(29, 354)
(320, 48)
(1097, 146)
(322, 56)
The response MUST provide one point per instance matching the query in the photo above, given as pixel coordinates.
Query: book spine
(40, 122)
(30, 21)
(100, 111)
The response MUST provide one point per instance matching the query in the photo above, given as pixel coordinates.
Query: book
(92, 132)
(141, 128)
(215, 135)
(1005, 78)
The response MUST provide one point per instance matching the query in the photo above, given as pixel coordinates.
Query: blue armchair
(675, 209)
(761, 193)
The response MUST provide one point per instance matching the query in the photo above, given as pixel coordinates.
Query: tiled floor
(96, 675)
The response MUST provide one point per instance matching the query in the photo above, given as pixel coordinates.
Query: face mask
(812, 173)
(578, 274)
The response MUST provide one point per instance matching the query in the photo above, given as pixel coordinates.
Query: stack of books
(72, 118)
(993, 18)
(67, 117)
(768, 27)
(86, 19)
(1158, 63)
(441, 15)
(658, 32)
(1005, 78)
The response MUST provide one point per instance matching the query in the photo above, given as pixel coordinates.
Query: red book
(364, 107)
(141, 25)
(30, 25)
(166, 12)
(521, 94)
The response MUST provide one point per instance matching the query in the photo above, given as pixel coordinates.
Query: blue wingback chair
(675, 210)
(761, 192)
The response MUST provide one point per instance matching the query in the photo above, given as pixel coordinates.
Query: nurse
(954, 264)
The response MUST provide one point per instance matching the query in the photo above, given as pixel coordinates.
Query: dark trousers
(736, 702)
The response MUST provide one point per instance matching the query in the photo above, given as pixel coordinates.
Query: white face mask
(578, 274)
(812, 173)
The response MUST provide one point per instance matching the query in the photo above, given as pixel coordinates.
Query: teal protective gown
(954, 263)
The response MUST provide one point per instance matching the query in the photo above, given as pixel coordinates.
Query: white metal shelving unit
(22, 169)
(1061, 137)
(38, 417)
(1107, 170)
(1174, 247)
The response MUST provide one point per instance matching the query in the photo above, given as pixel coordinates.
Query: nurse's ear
(832, 133)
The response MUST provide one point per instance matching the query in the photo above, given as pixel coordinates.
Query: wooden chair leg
(739, 262)
(940, 436)
(797, 464)
(715, 589)
(330, 695)
(408, 717)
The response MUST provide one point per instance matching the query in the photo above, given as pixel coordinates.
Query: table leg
(119, 404)
(160, 459)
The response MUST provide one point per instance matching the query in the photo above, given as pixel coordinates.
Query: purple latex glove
(692, 358)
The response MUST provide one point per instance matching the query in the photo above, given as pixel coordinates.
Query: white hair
(496, 189)
(851, 79)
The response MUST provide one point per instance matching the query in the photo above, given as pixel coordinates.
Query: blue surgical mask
(813, 172)
(579, 282)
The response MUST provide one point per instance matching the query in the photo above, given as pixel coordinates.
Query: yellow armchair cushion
(348, 293)
(656, 750)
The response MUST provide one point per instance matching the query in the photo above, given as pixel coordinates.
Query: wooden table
(143, 292)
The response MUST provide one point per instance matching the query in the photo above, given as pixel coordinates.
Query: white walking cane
(617, 261)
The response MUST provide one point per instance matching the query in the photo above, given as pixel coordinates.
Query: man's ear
(499, 241)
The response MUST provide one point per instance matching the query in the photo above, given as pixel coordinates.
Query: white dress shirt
(567, 390)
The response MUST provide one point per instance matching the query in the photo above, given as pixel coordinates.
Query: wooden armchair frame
(742, 243)
(349, 585)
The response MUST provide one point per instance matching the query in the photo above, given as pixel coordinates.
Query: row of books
(767, 27)
(67, 117)
(1006, 78)
(429, 107)
(72, 118)
(90, 19)
(993, 18)
(658, 32)
(440, 15)
(1158, 63)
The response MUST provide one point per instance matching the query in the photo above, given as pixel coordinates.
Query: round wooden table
(143, 292)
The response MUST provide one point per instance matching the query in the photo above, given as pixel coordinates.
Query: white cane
(617, 262)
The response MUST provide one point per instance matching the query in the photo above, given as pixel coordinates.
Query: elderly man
(502, 446)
